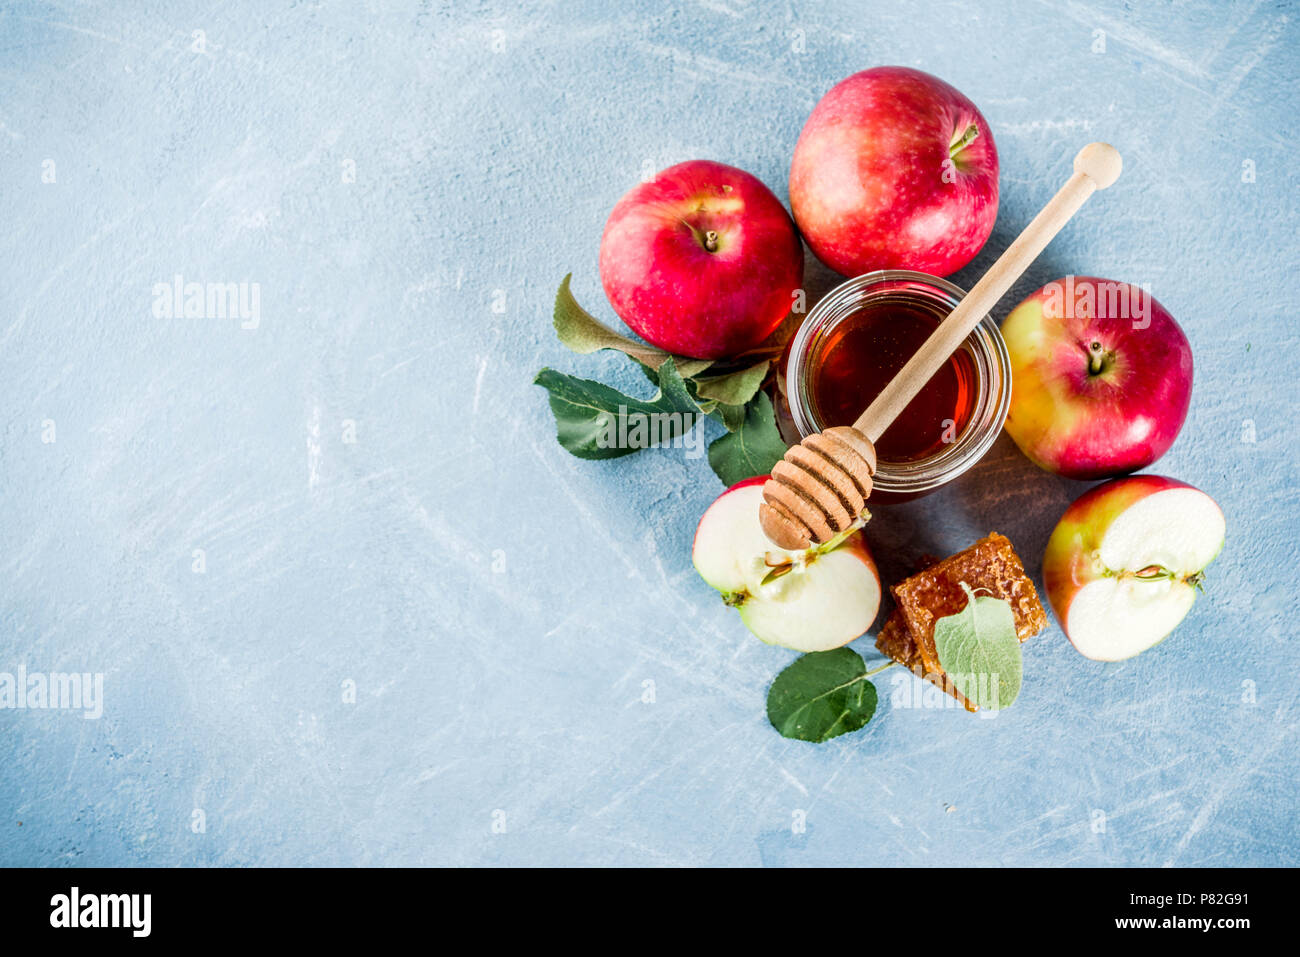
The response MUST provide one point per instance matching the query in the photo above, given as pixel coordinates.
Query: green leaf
(979, 651)
(582, 332)
(753, 448)
(821, 696)
(729, 416)
(594, 421)
(650, 373)
(733, 388)
(732, 417)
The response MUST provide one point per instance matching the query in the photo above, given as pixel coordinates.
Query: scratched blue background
(499, 604)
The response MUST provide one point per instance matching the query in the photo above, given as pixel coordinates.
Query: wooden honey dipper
(819, 489)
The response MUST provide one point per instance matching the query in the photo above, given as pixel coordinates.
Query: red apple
(1123, 565)
(1101, 377)
(813, 599)
(702, 261)
(895, 169)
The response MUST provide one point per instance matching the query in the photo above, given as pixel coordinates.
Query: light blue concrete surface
(499, 604)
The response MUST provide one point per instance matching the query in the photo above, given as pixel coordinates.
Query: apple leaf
(753, 448)
(649, 371)
(733, 388)
(979, 651)
(582, 332)
(732, 417)
(821, 696)
(594, 421)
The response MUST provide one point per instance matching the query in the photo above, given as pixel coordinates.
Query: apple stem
(1096, 357)
(711, 241)
(959, 143)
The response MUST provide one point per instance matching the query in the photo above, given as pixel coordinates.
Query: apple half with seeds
(1124, 563)
(811, 600)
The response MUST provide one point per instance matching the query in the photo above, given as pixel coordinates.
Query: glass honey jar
(855, 341)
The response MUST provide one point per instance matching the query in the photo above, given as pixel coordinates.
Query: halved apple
(1124, 563)
(811, 600)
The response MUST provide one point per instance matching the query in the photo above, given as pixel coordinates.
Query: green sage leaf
(753, 448)
(594, 421)
(979, 651)
(821, 696)
(582, 332)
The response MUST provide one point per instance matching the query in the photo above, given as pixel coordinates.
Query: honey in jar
(855, 341)
(864, 352)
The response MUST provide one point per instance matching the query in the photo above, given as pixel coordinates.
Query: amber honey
(865, 350)
(856, 339)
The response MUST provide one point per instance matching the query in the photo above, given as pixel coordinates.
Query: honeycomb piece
(895, 640)
(990, 565)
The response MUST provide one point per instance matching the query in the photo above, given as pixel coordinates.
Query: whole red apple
(1101, 377)
(1124, 563)
(895, 169)
(702, 261)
